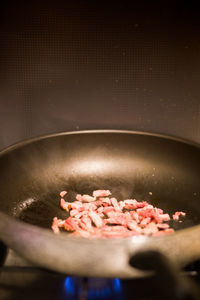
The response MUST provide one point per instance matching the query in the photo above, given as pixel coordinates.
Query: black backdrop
(70, 65)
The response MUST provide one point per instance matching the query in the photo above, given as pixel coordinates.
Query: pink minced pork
(177, 215)
(63, 193)
(101, 193)
(103, 216)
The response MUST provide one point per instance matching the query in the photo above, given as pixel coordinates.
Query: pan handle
(169, 284)
(181, 247)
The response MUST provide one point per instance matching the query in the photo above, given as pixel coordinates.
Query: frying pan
(160, 169)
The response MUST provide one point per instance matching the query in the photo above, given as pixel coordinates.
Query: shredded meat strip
(102, 215)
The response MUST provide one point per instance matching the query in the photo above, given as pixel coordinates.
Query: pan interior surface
(163, 171)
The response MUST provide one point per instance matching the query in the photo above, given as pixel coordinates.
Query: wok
(162, 170)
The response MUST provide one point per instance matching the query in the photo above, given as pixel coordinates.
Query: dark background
(70, 65)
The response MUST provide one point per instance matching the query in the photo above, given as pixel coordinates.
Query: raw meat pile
(101, 215)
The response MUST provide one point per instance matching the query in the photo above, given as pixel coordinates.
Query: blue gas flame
(96, 289)
(117, 287)
(69, 286)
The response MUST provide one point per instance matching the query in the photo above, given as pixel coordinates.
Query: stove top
(21, 280)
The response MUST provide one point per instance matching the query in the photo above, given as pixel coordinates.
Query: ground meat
(63, 193)
(102, 216)
(86, 198)
(101, 193)
(177, 215)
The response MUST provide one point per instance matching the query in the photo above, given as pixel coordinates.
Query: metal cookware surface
(162, 170)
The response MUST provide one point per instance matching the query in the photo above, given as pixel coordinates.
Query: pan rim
(28, 141)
